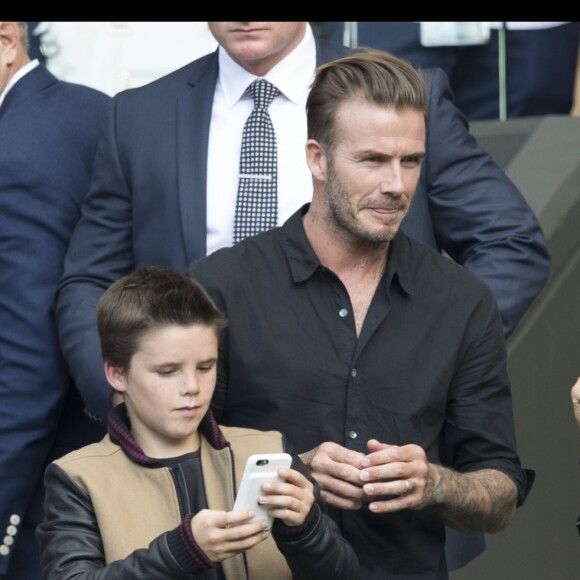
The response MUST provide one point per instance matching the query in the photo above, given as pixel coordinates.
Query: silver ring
(411, 486)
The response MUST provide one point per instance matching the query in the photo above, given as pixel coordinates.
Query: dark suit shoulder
(203, 69)
(81, 93)
(327, 51)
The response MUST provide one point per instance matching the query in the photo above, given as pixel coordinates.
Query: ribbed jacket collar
(119, 428)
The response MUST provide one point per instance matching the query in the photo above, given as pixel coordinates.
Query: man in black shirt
(382, 361)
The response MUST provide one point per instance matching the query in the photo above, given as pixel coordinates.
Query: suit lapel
(30, 84)
(194, 108)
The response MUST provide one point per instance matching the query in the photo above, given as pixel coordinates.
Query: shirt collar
(304, 262)
(292, 76)
(17, 76)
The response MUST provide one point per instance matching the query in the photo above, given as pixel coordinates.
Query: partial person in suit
(166, 174)
(50, 130)
(540, 58)
(393, 355)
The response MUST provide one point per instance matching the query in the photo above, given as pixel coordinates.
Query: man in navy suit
(154, 198)
(50, 130)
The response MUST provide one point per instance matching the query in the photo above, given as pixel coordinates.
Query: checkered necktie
(257, 202)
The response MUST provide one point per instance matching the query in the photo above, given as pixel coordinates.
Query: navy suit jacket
(49, 131)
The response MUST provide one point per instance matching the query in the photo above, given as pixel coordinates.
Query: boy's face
(168, 387)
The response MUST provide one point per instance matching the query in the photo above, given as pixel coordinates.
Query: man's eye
(166, 372)
(412, 161)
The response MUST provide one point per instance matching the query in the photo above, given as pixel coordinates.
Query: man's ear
(316, 159)
(9, 41)
(116, 377)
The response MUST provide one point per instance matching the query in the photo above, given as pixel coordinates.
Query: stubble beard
(341, 219)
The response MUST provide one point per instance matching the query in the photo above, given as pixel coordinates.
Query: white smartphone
(259, 469)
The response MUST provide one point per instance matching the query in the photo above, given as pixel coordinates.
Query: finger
(240, 532)
(395, 487)
(294, 478)
(273, 492)
(384, 453)
(339, 454)
(416, 469)
(341, 502)
(340, 487)
(375, 445)
(402, 494)
(234, 518)
(337, 471)
(347, 456)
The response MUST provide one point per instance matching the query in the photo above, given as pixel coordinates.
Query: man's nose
(392, 179)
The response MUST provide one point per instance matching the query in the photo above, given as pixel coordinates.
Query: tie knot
(263, 93)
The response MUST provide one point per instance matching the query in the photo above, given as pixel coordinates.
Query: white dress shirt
(231, 107)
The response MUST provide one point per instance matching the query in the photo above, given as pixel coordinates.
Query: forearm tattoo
(482, 501)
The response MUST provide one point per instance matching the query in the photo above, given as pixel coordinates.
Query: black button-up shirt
(429, 368)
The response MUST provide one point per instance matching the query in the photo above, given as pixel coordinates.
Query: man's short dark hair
(372, 75)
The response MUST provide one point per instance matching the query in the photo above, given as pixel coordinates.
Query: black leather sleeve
(320, 554)
(71, 545)
(316, 550)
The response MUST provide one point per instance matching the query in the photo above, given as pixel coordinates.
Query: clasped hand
(389, 478)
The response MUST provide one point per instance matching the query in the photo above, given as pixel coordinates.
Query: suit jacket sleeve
(145, 206)
(100, 252)
(479, 217)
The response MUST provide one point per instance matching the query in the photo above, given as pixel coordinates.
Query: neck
(359, 266)
(159, 447)
(340, 251)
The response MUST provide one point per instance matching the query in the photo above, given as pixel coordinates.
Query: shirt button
(353, 434)
(4, 550)
(342, 312)
(14, 519)
(11, 530)
(353, 373)
(8, 540)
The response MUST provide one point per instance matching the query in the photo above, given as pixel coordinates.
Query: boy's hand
(222, 535)
(291, 500)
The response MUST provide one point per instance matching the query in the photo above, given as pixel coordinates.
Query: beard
(342, 218)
